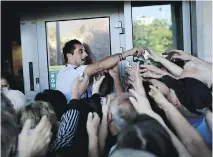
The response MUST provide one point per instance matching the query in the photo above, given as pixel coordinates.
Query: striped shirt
(66, 131)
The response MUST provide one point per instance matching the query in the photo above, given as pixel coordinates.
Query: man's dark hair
(55, 98)
(10, 79)
(106, 86)
(192, 93)
(146, 133)
(69, 48)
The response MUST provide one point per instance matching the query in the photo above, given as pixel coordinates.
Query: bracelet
(120, 57)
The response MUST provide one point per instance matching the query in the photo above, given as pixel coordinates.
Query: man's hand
(140, 103)
(160, 85)
(179, 54)
(97, 83)
(136, 51)
(106, 103)
(136, 80)
(37, 143)
(158, 97)
(93, 122)
(78, 88)
(150, 71)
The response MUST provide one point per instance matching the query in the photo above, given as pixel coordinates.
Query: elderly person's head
(121, 113)
(147, 134)
(35, 111)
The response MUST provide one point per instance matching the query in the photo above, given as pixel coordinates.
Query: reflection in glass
(93, 33)
(152, 27)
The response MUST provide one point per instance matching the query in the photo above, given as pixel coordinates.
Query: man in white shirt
(75, 59)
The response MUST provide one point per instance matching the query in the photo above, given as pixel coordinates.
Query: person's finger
(143, 70)
(94, 79)
(135, 94)
(137, 67)
(131, 78)
(151, 93)
(145, 74)
(134, 102)
(26, 127)
(89, 117)
(101, 79)
(96, 118)
(109, 98)
(43, 122)
(153, 88)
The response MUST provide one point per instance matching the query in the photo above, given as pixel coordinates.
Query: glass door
(94, 33)
(97, 30)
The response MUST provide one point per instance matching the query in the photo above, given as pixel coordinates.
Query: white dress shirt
(66, 77)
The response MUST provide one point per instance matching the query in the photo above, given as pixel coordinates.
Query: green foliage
(157, 35)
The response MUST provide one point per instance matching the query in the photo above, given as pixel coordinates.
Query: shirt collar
(71, 66)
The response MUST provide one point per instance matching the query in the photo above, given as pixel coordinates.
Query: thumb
(26, 127)
(134, 102)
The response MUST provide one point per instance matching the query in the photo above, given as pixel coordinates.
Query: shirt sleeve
(66, 130)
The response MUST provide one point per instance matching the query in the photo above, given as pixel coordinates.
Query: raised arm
(93, 122)
(114, 73)
(103, 129)
(111, 61)
(179, 54)
(187, 134)
(171, 67)
(142, 106)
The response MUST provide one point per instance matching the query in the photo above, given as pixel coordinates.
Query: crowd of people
(155, 111)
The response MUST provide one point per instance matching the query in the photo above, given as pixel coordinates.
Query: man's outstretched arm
(110, 61)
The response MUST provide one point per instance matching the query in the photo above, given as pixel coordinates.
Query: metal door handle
(31, 76)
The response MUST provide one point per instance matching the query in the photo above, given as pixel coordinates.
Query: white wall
(204, 29)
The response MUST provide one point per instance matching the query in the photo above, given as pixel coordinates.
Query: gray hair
(121, 117)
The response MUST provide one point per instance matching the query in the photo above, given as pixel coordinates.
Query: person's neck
(72, 62)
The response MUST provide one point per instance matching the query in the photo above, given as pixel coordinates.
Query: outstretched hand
(158, 97)
(179, 54)
(136, 80)
(36, 143)
(93, 122)
(140, 103)
(97, 83)
(151, 71)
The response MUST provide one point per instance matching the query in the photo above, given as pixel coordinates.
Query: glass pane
(93, 33)
(152, 27)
